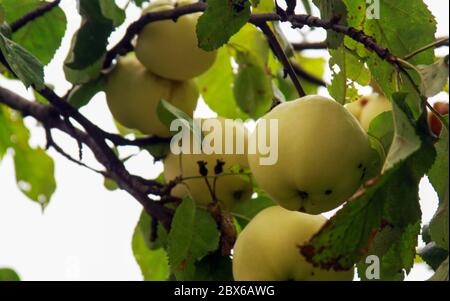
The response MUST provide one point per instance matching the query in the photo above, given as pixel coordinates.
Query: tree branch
(307, 76)
(40, 11)
(281, 55)
(52, 118)
(305, 46)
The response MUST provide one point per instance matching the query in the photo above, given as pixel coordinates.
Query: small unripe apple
(376, 105)
(230, 187)
(268, 248)
(133, 94)
(170, 48)
(434, 122)
(323, 155)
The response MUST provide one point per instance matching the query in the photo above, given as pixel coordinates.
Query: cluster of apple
(324, 156)
(323, 152)
(163, 66)
(366, 108)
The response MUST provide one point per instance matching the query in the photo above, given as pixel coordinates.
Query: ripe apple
(169, 48)
(434, 122)
(230, 187)
(323, 155)
(376, 104)
(356, 107)
(133, 94)
(268, 248)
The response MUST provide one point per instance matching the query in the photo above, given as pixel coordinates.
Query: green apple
(231, 186)
(323, 155)
(376, 104)
(268, 248)
(133, 94)
(170, 48)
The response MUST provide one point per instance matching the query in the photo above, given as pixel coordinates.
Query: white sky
(85, 232)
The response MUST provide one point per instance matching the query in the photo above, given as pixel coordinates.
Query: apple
(133, 94)
(434, 122)
(267, 249)
(376, 104)
(231, 188)
(323, 155)
(356, 107)
(169, 48)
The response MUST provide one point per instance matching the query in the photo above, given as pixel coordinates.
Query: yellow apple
(230, 188)
(376, 104)
(170, 48)
(356, 107)
(323, 155)
(133, 94)
(268, 248)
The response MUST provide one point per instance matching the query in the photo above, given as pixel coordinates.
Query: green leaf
(211, 31)
(405, 141)
(252, 86)
(216, 87)
(140, 2)
(438, 176)
(214, 267)
(314, 66)
(245, 211)
(404, 26)
(439, 172)
(434, 77)
(441, 273)
(307, 6)
(27, 68)
(111, 11)
(85, 59)
(35, 174)
(193, 235)
(34, 168)
(42, 36)
(8, 275)
(351, 70)
(82, 95)
(153, 262)
(433, 255)
(250, 39)
(158, 150)
(328, 10)
(356, 16)
(382, 129)
(396, 249)
(5, 131)
(439, 224)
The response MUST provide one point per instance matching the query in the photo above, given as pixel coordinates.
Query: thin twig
(281, 55)
(52, 144)
(440, 41)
